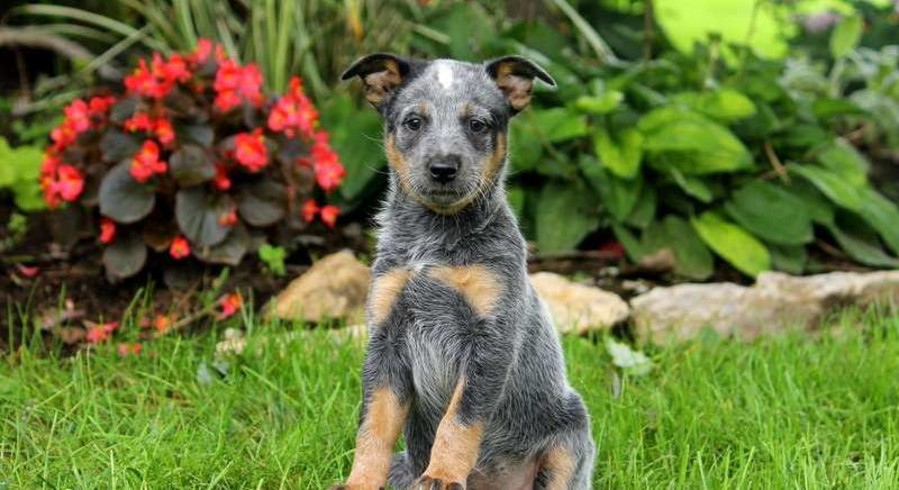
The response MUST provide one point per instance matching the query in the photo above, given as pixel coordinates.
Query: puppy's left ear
(515, 76)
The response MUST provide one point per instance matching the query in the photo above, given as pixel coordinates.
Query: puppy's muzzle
(445, 168)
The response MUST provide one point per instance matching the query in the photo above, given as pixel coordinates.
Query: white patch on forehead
(444, 75)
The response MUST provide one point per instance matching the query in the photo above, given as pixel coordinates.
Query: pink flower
(250, 150)
(78, 116)
(329, 173)
(230, 305)
(310, 210)
(146, 163)
(97, 333)
(329, 214)
(294, 113)
(180, 248)
(234, 83)
(107, 230)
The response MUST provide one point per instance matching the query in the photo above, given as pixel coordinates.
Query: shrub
(193, 159)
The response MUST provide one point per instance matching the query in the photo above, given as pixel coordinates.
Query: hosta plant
(193, 160)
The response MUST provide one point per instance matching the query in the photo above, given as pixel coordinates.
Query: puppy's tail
(401, 475)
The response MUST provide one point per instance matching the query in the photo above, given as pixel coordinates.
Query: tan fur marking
(492, 165)
(456, 446)
(378, 84)
(560, 464)
(477, 283)
(517, 89)
(385, 290)
(374, 443)
(396, 160)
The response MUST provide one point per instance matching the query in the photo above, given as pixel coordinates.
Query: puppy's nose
(444, 169)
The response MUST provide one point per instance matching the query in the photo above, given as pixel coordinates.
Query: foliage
(193, 159)
(273, 258)
(19, 174)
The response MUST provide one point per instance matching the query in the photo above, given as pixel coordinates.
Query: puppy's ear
(515, 75)
(381, 73)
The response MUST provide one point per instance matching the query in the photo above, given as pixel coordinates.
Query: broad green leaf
(632, 246)
(122, 198)
(788, 258)
(618, 195)
(645, 210)
(198, 213)
(124, 257)
(525, 143)
(620, 153)
(862, 245)
(883, 215)
(516, 197)
(846, 162)
(840, 191)
(192, 165)
(693, 186)
(560, 124)
(229, 251)
(262, 203)
(846, 36)
(116, 146)
(577, 206)
(733, 243)
(355, 134)
(200, 134)
(691, 256)
(828, 108)
(679, 139)
(819, 208)
(599, 104)
(772, 213)
(724, 104)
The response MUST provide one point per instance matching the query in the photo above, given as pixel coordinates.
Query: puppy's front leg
(458, 439)
(385, 407)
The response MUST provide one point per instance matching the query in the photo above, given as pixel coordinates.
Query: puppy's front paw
(434, 483)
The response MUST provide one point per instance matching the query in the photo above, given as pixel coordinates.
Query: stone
(775, 303)
(577, 308)
(334, 288)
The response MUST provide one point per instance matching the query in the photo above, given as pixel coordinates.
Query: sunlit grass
(790, 412)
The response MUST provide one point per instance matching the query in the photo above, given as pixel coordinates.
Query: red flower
(144, 82)
(63, 136)
(180, 248)
(294, 113)
(234, 82)
(69, 183)
(162, 323)
(99, 106)
(310, 209)
(140, 121)
(97, 333)
(221, 181)
(146, 163)
(228, 219)
(202, 51)
(164, 131)
(125, 350)
(176, 69)
(329, 215)
(250, 150)
(107, 230)
(28, 271)
(329, 172)
(230, 305)
(77, 116)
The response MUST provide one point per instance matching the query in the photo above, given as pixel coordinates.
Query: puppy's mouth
(446, 201)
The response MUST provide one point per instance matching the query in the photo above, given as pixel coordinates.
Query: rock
(577, 308)
(333, 288)
(774, 304)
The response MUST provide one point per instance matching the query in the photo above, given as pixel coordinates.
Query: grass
(788, 412)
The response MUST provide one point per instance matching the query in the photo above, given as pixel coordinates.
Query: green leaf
(788, 258)
(819, 208)
(124, 257)
(525, 143)
(229, 251)
(691, 143)
(732, 243)
(200, 134)
(560, 124)
(845, 161)
(693, 186)
(861, 244)
(122, 198)
(620, 154)
(724, 104)
(355, 134)
(772, 213)
(645, 210)
(576, 205)
(122, 110)
(192, 165)
(273, 257)
(691, 257)
(262, 203)
(846, 36)
(828, 108)
(198, 212)
(116, 146)
(599, 104)
(883, 215)
(619, 195)
(634, 247)
(840, 191)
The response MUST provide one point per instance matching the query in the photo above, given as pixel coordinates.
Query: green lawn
(791, 412)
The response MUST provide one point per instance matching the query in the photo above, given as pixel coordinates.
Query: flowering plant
(193, 159)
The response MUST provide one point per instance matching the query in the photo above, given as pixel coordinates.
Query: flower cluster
(177, 158)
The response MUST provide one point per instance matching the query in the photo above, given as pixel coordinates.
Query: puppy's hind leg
(402, 476)
(568, 460)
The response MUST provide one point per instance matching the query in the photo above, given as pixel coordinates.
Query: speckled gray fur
(511, 359)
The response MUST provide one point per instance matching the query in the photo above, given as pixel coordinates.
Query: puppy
(462, 357)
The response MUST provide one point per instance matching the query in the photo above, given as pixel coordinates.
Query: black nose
(444, 169)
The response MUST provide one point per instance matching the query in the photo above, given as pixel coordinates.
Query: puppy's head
(446, 121)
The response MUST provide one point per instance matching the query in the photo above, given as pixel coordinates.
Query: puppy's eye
(476, 125)
(412, 123)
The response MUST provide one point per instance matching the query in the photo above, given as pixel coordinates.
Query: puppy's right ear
(381, 73)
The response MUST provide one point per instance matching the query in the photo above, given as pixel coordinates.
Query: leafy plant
(193, 159)
(19, 173)
(273, 258)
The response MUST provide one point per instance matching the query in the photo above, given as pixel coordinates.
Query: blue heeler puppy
(463, 357)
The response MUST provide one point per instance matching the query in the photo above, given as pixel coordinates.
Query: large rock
(775, 303)
(577, 308)
(333, 288)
